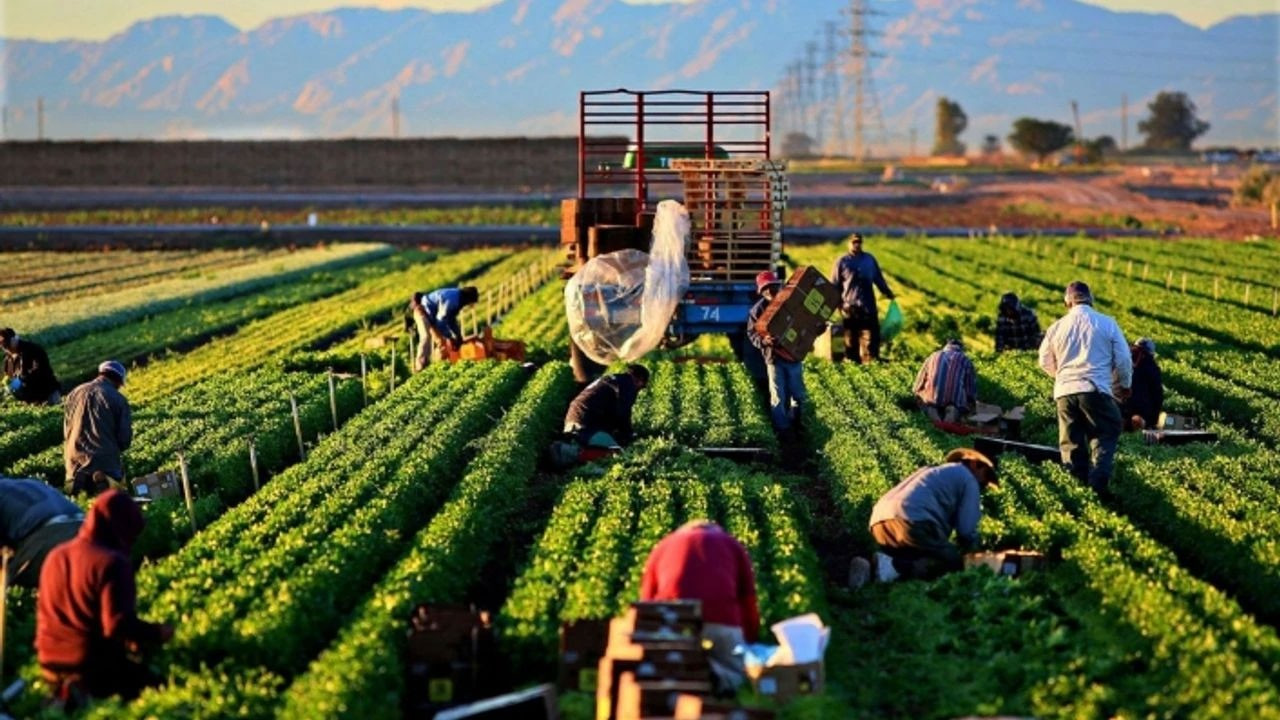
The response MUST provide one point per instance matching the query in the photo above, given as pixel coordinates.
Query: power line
(935, 62)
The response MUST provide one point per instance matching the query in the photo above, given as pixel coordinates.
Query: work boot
(859, 572)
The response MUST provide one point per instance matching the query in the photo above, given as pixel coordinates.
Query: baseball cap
(114, 367)
(765, 279)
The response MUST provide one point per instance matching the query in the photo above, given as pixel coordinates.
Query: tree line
(1171, 125)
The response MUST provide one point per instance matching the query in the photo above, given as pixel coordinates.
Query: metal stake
(364, 379)
(393, 368)
(333, 401)
(253, 464)
(186, 491)
(5, 553)
(297, 425)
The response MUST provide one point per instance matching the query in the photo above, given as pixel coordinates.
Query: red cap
(765, 279)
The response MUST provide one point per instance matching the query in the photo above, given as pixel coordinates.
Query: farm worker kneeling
(913, 522)
(87, 624)
(97, 427)
(600, 416)
(855, 273)
(435, 314)
(1084, 352)
(700, 561)
(786, 375)
(1017, 327)
(28, 376)
(34, 519)
(1146, 396)
(947, 385)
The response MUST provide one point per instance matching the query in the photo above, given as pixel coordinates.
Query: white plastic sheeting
(619, 304)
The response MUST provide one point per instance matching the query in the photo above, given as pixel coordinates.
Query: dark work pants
(1089, 426)
(862, 338)
(920, 550)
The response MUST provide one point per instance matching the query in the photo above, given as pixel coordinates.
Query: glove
(15, 385)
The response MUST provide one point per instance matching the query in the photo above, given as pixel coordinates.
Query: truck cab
(710, 150)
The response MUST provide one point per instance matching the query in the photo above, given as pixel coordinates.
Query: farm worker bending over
(436, 316)
(97, 427)
(855, 273)
(1146, 397)
(1017, 327)
(600, 416)
(913, 522)
(27, 373)
(947, 385)
(86, 617)
(786, 375)
(34, 519)
(1083, 351)
(700, 561)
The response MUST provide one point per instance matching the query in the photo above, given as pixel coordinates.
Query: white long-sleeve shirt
(1083, 351)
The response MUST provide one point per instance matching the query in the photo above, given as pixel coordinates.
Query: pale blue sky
(98, 19)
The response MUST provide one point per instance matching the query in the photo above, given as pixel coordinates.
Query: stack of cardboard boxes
(654, 654)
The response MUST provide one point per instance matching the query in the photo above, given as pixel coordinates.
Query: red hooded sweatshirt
(86, 614)
(703, 562)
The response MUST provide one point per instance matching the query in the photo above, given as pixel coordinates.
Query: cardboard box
(1169, 421)
(799, 313)
(582, 644)
(1012, 563)
(993, 418)
(157, 485)
(784, 683)
(449, 659)
(696, 707)
(639, 698)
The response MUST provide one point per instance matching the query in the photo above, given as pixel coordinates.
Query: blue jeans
(786, 392)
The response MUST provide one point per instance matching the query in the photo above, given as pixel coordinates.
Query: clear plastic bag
(620, 304)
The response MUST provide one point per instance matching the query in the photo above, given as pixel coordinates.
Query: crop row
(58, 322)
(183, 328)
(388, 487)
(211, 424)
(361, 673)
(277, 336)
(539, 322)
(1115, 593)
(118, 271)
(588, 561)
(713, 404)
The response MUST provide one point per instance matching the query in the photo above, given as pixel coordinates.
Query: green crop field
(292, 596)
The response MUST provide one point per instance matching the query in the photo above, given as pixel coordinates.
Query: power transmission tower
(829, 107)
(859, 72)
(810, 100)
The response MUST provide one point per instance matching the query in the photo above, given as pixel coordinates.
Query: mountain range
(514, 68)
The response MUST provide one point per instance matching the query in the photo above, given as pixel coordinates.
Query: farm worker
(600, 416)
(855, 273)
(1017, 327)
(947, 385)
(912, 523)
(97, 427)
(1146, 397)
(700, 561)
(435, 314)
(785, 374)
(1085, 352)
(87, 624)
(34, 519)
(27, 373)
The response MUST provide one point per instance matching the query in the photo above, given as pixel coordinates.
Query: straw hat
(969, 454)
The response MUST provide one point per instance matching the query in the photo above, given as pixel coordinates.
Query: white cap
(114, 367)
